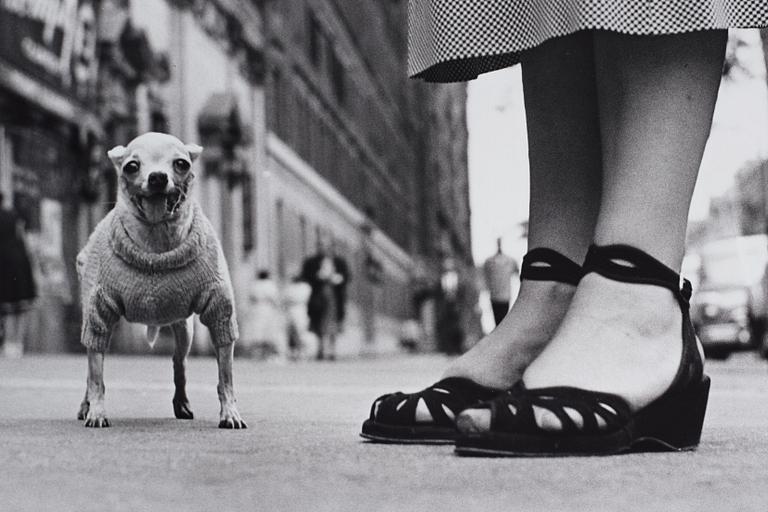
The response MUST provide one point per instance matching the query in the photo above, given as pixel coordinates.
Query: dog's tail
(155, 333)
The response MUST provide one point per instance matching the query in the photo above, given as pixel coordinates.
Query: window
(277, 104)
(303, 235)
(158, 121)
(338, 79)
(279, 231)
(315, 40)
(248, 241)
(306, 137)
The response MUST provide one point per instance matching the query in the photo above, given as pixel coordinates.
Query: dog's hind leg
(182, 332)
(92, 408)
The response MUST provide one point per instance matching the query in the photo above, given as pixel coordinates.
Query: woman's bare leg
(565, 160)
(656, 96)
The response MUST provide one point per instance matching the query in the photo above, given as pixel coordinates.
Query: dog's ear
(116, 154)
(194, 151)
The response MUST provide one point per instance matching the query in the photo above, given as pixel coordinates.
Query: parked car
(729, 275)
(724, 320)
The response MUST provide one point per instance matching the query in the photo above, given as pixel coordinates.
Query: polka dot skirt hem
(450, 41)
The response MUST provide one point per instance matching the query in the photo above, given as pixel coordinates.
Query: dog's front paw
(230, 418)
(182, 410)
(96, 417)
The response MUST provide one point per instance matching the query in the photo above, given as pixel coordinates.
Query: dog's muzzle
(173, 199)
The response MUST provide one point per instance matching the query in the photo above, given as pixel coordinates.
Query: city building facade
(360, 154)
(311, 131)
(48, 125)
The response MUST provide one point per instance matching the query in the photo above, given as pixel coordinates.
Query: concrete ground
(302, 450)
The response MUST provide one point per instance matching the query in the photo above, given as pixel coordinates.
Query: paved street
(302, 450)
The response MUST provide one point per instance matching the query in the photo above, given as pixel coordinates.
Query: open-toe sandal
(594, 423)
(428, 417)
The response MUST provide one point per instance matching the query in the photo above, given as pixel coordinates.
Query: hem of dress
(463, 69)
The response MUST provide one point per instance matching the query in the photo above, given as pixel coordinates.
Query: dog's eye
(180, 165)
(131, 167)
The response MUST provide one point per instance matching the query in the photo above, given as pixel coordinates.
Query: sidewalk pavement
(302, 450)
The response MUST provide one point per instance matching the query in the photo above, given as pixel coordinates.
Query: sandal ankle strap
(543, 264)
(629, 264)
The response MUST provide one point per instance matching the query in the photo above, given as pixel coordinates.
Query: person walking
(450, 326)
(327, 275)
(296, 299)
(499, 270)
(17, 283)
(597, 355)
(340, 287)
(262, 333)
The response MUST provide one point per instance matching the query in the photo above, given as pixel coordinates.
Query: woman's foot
(620, 338)
(494, 364)
(500, 358)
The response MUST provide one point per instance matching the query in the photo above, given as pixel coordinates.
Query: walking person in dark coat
(499, 270)
(328, 276)
(450, 328)
(17, 284)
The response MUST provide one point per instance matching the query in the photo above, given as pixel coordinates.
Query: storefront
(47, 133)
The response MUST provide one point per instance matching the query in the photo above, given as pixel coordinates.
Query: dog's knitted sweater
(118, 278)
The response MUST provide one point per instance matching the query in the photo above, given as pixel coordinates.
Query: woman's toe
(474, 421)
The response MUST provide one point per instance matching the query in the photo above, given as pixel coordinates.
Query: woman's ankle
(499, 359)
(644, 310)
(620, 338)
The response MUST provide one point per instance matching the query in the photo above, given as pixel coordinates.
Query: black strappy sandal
(393, 416)
(596, 423)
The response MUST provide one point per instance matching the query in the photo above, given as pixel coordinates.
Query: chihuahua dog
(155, 259)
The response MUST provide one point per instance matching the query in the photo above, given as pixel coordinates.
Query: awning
(48, 99)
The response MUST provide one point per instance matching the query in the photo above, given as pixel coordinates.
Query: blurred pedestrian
(410, 335)
(17, 284)
(450, 324)
(262, 333)
(340, 287)
(599, 356)
(327, 275)
(499, 270)
(296, 298)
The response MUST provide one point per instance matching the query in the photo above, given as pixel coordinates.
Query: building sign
(53, 41)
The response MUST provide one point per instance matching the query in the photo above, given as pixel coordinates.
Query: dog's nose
(157, 179)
